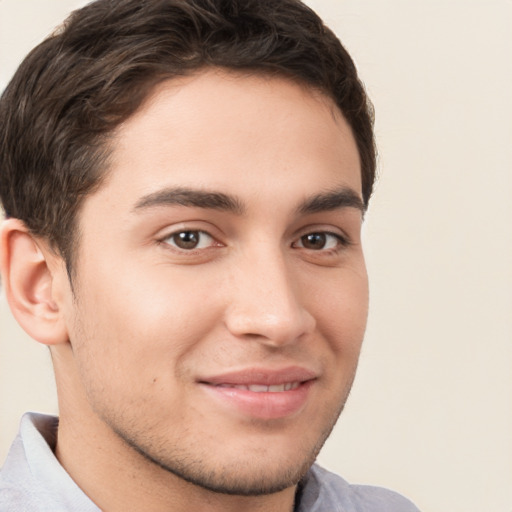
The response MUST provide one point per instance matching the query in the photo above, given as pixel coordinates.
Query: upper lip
(262, 376)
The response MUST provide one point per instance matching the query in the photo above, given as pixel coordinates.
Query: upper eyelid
(328, 229)
(188, 225)
(169, 245)
(342, 239)
(219, 235)
(186, 230)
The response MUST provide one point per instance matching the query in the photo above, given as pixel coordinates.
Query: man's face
(221, 292)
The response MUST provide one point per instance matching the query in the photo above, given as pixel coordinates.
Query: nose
(267, 304)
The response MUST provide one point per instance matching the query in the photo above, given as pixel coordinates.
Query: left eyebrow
(332, 200)
(192, 198)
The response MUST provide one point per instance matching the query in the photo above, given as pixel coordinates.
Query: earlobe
(29, 284)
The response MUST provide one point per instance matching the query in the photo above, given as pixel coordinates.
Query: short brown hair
(74, 88)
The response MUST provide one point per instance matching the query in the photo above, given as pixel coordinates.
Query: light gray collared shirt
(32, 480)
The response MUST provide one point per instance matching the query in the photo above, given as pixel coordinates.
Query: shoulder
(31, 479)
(16, 499)
(324, 491)
(19, 491)
(23, 495)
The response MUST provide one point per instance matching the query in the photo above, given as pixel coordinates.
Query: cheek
(138, 326)
(341, 305)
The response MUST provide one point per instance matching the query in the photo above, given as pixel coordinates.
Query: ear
(29, 271)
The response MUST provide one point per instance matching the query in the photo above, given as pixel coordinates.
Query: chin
(260, 472)
(242, 479)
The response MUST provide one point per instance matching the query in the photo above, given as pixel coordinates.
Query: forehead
(222, 129)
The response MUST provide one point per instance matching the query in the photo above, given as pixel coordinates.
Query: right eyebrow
(343, 197)
(191, 197)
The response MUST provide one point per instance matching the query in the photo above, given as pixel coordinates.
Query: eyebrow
(332, 200)
(327, 201)
(193, 198)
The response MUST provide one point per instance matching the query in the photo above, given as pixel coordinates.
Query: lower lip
(264, 405)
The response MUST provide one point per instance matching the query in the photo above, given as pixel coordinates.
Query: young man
(184, 184)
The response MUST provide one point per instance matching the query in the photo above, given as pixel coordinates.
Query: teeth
(258, 388)
(261, 388)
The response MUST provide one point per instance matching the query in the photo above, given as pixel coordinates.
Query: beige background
(431, 410)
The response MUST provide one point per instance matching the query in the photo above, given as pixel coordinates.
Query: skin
(275, 281)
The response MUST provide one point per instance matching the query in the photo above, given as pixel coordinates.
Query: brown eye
(190, 240)
(319, 241)
(314, 241)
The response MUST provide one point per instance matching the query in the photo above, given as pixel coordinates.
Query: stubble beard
(245, 477)
(233, 479)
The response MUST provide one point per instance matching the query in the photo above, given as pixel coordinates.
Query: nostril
(271, 329)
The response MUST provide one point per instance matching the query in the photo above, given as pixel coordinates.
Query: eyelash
(201, 233)
(340, 241)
